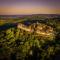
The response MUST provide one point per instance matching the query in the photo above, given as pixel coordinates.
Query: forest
(18, 44)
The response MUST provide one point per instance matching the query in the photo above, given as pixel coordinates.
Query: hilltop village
(39, 29)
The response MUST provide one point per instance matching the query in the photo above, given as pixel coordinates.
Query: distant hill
(22, 16)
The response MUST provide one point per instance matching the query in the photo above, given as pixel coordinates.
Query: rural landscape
(30, 37)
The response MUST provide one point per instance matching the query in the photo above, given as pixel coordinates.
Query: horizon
(29, 14)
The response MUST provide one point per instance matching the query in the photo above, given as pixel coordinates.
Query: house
(25, 28)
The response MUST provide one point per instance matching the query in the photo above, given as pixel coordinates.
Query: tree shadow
(7, 26)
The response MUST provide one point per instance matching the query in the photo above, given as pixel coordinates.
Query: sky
(13, 7)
